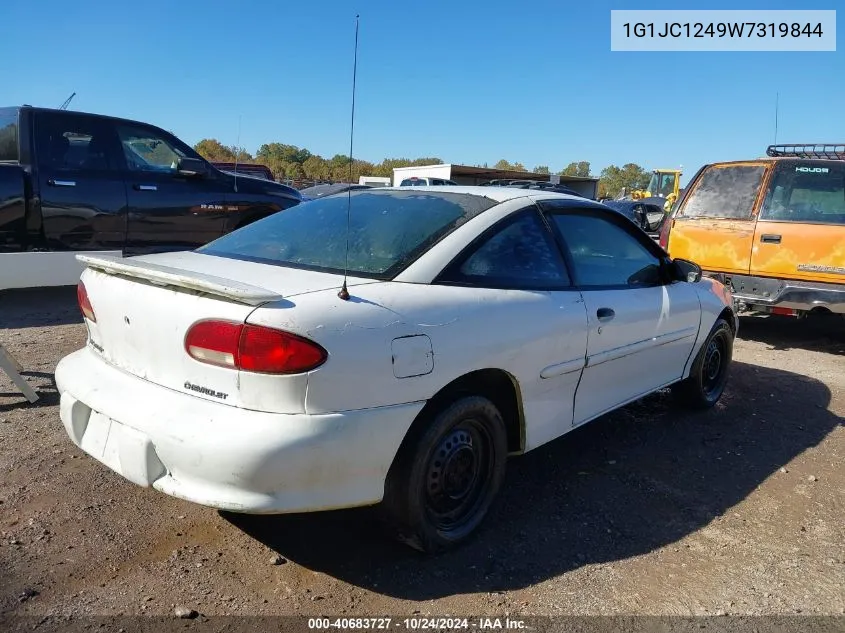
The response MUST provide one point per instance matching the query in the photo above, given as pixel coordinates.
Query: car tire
(709, 373)
(446, 475)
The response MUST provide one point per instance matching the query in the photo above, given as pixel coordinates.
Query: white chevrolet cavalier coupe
(479, 323)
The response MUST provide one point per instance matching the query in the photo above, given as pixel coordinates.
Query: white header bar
(761, 30)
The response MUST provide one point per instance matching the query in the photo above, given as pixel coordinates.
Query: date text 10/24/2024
(419, 623)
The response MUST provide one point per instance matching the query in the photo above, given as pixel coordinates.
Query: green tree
(505, 165)
(240, 154)
(316, 168)
(580, 169)
(614, 180)
(541, 169)
(283, 153)
(213, 150)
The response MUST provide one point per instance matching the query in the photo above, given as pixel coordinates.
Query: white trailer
(43, 269)
(469, 175)
(374, 181)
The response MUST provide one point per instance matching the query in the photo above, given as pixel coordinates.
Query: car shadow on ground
(817, 334)
(638, 479)
(38, 307)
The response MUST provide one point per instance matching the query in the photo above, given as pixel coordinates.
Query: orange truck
(772, 229)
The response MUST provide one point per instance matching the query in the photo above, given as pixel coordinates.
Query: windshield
(661, 184)
(387, 231)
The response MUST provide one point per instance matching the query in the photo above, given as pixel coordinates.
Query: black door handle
(605, 314)
(770, 239)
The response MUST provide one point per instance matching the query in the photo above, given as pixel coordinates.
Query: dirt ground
(650, 510)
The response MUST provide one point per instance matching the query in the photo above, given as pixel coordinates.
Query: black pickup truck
(71, 181)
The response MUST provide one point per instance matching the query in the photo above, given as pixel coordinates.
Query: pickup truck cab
(772, 228)
(71, 181)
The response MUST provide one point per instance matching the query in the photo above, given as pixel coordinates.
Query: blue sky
(470, 82)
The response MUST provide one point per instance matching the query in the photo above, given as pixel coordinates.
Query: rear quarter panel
(466, 331)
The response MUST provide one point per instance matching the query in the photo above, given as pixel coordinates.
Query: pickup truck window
(145, 150)
(9, 136)
(73, 142)
(725, 192)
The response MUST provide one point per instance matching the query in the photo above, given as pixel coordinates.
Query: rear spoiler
(166, 276)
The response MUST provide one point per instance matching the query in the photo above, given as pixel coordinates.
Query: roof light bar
(831, 151)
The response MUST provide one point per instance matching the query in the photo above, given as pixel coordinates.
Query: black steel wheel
(709, 372)
(447, 474)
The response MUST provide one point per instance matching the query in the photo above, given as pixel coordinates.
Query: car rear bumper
(755, 293)
(222, 456)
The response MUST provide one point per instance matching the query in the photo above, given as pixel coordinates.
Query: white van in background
(425, 182)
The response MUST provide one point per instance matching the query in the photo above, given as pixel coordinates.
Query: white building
(374, 181)
(467, 175)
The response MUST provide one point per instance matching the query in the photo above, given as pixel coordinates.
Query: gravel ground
(648, 511)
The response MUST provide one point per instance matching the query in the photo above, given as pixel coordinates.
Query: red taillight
(214, 342)
(252, 348)
(664, 233)
(274, 352)
(85, 303)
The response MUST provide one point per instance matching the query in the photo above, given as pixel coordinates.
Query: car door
(167, 211)
(642, 326)
(715, 225)
(800, 233)
(523, 316)
(81, 188)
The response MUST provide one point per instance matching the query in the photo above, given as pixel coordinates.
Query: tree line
(289, 162)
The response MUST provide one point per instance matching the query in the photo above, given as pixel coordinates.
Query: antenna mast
(67, 102)
(237, 153)
(777, 99)
(344, 291)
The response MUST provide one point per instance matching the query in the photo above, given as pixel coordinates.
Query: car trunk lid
(145, 306)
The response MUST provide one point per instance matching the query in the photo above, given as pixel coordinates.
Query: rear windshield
(807, 192)
(387, 231)
(413, 182)
(725, 192)
(9, 135)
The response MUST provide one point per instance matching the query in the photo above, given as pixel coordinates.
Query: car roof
(328, 189)
(776, 159)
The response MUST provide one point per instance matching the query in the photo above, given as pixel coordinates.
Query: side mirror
(191, 168)
(686, 270)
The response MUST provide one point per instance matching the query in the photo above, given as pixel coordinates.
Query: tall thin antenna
(777, 103)
(237, 153)
(67, 102)
(344, 291)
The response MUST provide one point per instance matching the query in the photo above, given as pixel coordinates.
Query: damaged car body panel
(239, 376)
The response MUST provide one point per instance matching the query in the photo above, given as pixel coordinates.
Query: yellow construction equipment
(664, 183)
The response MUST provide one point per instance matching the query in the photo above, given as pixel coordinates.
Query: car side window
(520, 254)
(146, 150)
(67, 142)
(606, 255)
